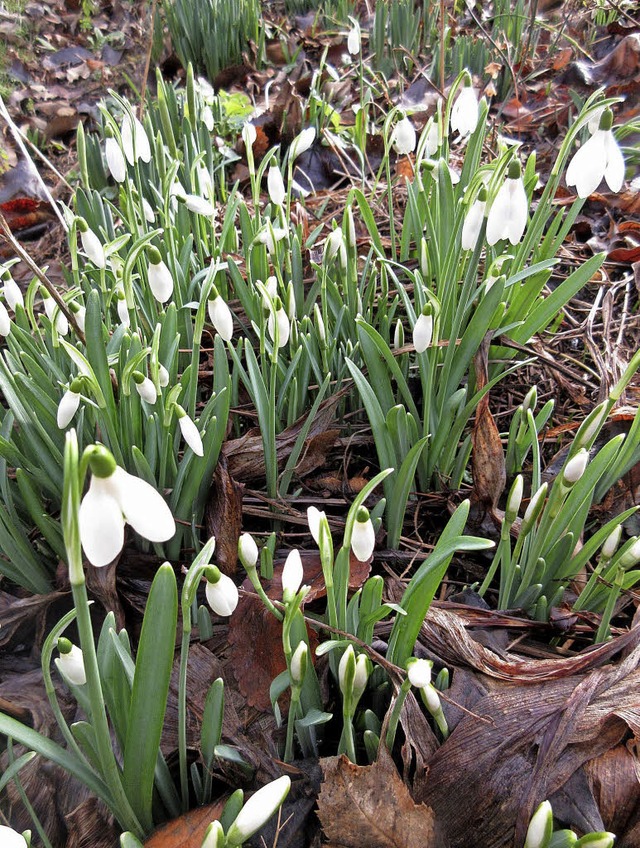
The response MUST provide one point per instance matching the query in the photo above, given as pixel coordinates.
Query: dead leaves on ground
(371, 806)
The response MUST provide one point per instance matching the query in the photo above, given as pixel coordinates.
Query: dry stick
(147, 63)
(46, 282)
(17, 136)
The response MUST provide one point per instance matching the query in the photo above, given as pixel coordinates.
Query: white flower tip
(248, 550)
(419, 673)
(540, 827)
(292, 574)
(222, 596)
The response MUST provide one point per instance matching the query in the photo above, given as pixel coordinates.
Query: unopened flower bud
(419, 672)
(540, 827)
(575, 468)
(611, 543)
(292, 575)
(248, 551)
(299, 663)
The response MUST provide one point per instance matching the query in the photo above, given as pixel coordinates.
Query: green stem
(182, 711)
(291, 719)
(252, 574)
(395, 714)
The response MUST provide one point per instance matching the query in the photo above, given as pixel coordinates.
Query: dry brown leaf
(370, 806)
(487, 458)
(223, 516)
(188, 830)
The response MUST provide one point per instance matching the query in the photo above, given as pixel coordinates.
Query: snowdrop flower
(145, 388)
(69, 404)
(346, 671)
(508, 212)
(464, 112)
(473, 221)
(275, 184)
(403, 137)
(123, 309)
(594, 121)
(292, 575)
(599, 157)
(248, 551)
(632, 555)
(398, 335)
(611, 543)
(12, 293)
(10, 838)
(423, 329)
(163, 376)
(419, 672)
(160, 279)
(221, 317)
(257, 811)
(278, 321)
(70, 662)
(221, 591)
(51, 308)
(198, 205)
(432, 699)
(147, 211)
(576, 467)
(249, 134)
(298, 664)
(91, 244)
(302, 142)
(115, 159)
(270, 236)
(5, 321)
(114, 498)
(540, 827)
(189, 430)
(514, 500)
(206, 116)
(79, 313)
(353, 38)
(363, 538)
(135, 141)
(314, 517)
(335, 246)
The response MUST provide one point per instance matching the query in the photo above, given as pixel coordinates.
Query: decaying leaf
(188, 830)
(489, 473)
(370, 806)
(223, 516)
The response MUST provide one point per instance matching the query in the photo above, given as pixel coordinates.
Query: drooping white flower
(599, 157)
(51, 308)
(432, 140)
(160, 279)
(508, 213)
(632, 555)
(248, 551)
(145, 387)
(302, 142)
(206, 116)
(91, 244)
(114, 498)
(403, 137)
(12, 293)
(299, 663)
(199, 205)
(464, 112)
(540, 827)
(115, 160)
(190, 432)
(576, 467)
(163, 376)
(70, 663)
(275, 184)
(270, 236)
(353, 38)
(473, 222)
(123, 309)
(423, 330)
(79, 313)
(221, 317)
(278, 318)
(363, 538)
(257, 811)
(419, 672)
(68, 405)
(147, 211)
(314, 517)
(135, 141)
(335, 246)
(249, 134)
(292, 575)
(221, 592)
(10, 838)
(5, 321)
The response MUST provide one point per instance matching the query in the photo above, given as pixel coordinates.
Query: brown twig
(46, 282)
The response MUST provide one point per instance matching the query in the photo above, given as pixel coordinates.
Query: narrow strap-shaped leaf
(149, 696)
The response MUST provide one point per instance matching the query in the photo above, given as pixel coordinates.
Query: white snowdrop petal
(222, 596)
(614, 173)
(160, 281)
(292, 573)
(191, 434)
(498, 218)
(422, 332)
(221, 317)
(363, 540)
(302, 142)
(67, 408)
(147, 391)
(92, 246)
(71, 666)
(101, 523)
(13, 294)
(419, 673)
(314, 516)
(143, 507)
(403, 137)
(5, 321)
(10, 838)
(587, 167)
(518, 210)
(472, 225)
(248, 550)
(275, 185)
(115, 160)
(257, 811)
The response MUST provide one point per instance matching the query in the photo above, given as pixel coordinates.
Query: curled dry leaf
(370, 805)
(187, 831)
(223, 516)
(489, 473)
